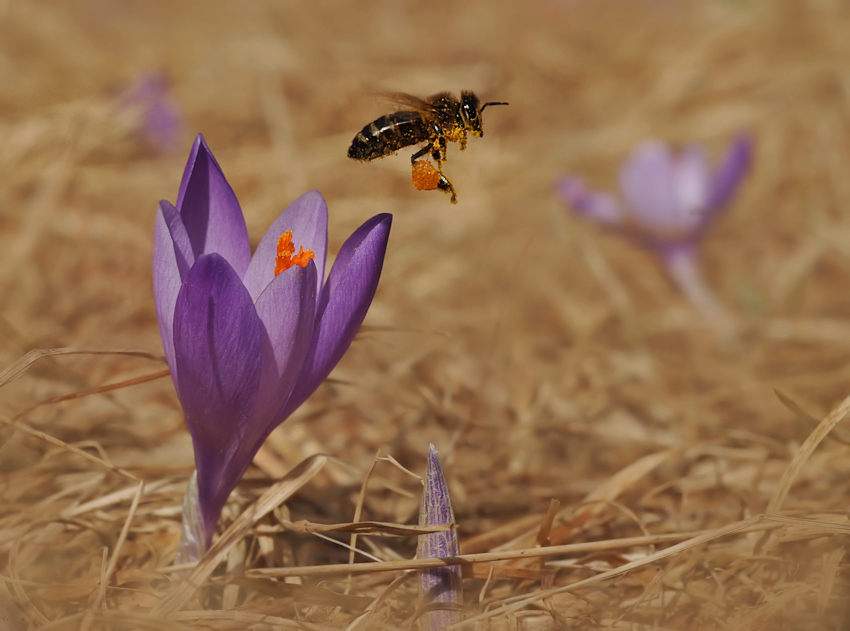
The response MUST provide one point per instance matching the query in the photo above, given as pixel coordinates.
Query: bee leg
(462, 140)
(421, 152)
(439, 151)
(445, 185)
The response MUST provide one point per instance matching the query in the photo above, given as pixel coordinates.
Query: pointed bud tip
(436, 503)
(384, 219)
(315, 197)
(200, 145)
(376, 228)
(433, 460)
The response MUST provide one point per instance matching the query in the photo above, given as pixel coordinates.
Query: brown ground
(540, 355)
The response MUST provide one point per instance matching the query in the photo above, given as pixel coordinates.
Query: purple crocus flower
(439, 588)
(160, 123)
(668, 201)
(247, 346)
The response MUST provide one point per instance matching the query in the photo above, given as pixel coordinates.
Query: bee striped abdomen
(388, 134)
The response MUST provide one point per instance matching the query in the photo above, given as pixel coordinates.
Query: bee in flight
(436, 121)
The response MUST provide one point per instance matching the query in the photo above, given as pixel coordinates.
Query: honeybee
(437, 120)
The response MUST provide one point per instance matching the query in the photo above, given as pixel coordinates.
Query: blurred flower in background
(440, 589)
(249, 338)
(159, 123)
(668, 200)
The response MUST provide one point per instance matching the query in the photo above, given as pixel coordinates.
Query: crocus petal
(287, 311)
(190, 165)
(439, 584)
(218, 349)
(307, 217)
(732, 169)
(211, 212)
(343, 304)
(172, 258)
(692, 180)
(648, 185)
(601, 207)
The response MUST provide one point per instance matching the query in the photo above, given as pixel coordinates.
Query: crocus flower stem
(192, 536)
(438, 586)
(684, 270)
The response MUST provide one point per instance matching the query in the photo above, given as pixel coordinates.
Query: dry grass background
(543, 357)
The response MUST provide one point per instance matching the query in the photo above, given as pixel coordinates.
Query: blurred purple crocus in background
(440, 588)
(668, 201)
(160, 123)
(247, 345)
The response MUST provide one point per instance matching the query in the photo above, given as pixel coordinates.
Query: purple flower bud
(245, 346)
(160, 123)
(441, 585)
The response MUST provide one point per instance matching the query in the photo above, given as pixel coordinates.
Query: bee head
(470, 111)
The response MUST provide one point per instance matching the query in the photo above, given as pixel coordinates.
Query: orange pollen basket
(286, 256)
(425, 177)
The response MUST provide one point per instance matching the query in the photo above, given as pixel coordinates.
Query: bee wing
(406, 101)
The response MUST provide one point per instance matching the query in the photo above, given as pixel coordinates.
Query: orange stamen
(286, 256)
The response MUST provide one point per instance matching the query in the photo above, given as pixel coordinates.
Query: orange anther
(286, 256)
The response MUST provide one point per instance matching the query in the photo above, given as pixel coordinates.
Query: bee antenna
(492, 103)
